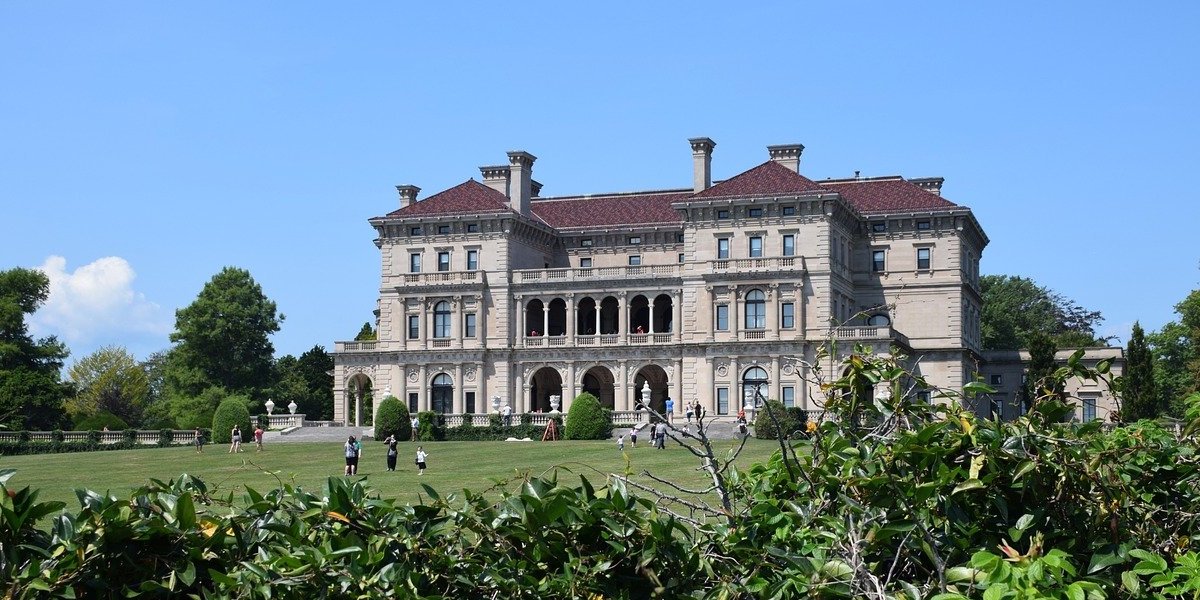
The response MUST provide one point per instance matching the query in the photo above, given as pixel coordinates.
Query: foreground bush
(391, 418)
(587, 420)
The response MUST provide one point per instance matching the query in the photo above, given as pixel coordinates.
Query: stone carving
(413, 376)
(469, 373)
(789, 369)
(722, 369)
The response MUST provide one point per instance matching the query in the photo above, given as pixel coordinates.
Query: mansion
(721, 293)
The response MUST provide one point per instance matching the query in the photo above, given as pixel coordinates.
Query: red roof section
(467, 197)
(600, 211)
(887, 195)
(769, 178)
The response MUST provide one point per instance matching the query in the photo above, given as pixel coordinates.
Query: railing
(440, 344)
(441, 278)
(773, 263)
(868, 333)
(535, 342)
(354, 346)
(457, 420)
(596, 273)
(627, 417)
(610, 339)
(586, 340)
(757, 334)
(639, 338)
(662, 338)
(143, 436)
(284, 421)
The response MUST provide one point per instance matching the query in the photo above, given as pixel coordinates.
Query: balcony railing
(596, 273)
(772, 263)
(884, 332)
(354, 346)
(441, 278)
(756, 334)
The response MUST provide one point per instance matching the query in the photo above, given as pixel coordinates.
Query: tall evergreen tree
(31, 390)
(366, 334)
(223, 338)
(1139, 398)
(1038, 384)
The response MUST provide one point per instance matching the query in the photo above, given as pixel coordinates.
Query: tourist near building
(492, 294)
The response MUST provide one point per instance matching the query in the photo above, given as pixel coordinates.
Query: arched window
(756, 310)
(441, 319)
(878, 320)
(754, 387)
(441, 396)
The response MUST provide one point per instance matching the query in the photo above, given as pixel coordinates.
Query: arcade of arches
(600, 316)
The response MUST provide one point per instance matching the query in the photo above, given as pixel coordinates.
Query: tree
(1139, 398)
(307, 382)
(1015, 307)
(1040, 382)
(31, 393)
(366, 334)
(1172, 350)
(223, 338)
(1189, 318)
(108, 380)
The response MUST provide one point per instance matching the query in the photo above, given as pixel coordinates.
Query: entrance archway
(545, 382)
(358, 400)
(659, 387)
(754, 387)
(599, 382)
(441, 394)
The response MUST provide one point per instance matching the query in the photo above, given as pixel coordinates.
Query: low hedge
(26, 446)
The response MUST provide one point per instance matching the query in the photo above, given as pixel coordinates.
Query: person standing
(633, 436)
(258, 437)
(416, 427)
(199, 441)
(670, 408)
(621, 443)
(688, 413)
(661, 433)
(235, 440)
(506, 412)
(351, 456)
(391, 452)
(357, 454)
(421, 456)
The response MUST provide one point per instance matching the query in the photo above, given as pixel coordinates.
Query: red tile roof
(886, 195)
(767, 179)
(607, 211)
(467, 197)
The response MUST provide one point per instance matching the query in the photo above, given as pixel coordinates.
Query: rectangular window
(470, 401)
(877, 263)
(635, 239)
(722, 248)
(586, 242)
(443, 261)
(787, 315)
(756, 247)
(754, 213)
(922, 258)
(789, 245)
(678, 238)
(472, 227)
(923, 225)
(722, 317)
(469, 325)
(585, 263)
(414, 327)
(635, 260)
(414, 231)
(789, 211)
(722, 214)
(472, 260)
(923, 396)
(1089, 409)
(412, 403)
(789, 397)
(997, 380)
(879, 226)
(414, 262)
(682, 258)
(443, 229)
(722, 401)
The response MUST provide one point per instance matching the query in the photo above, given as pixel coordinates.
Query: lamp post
(270, 406)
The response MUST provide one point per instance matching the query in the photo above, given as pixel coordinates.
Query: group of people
(353, 450)
(235, 440)
(658, 436)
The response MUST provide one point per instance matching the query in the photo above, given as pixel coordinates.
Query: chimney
(932, 185)
(787, 155)
(408, 194)
(537, 187)
(701, 163)
(520, 188)
(496, 177)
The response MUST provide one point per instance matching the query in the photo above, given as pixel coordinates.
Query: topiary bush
(431, 426)
(587, 420)
(232, 411)
(788, 421)
(391, 418)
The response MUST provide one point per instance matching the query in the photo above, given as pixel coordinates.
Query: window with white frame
(756, 246)
(469, 325)
(756, 310)
(789, 244)
(585, 263)
(441, 320)
(722, 401)
(923, 255)
(1089, 408)
(722, 248)
(635, 260)
(789, 396)
(414, 327)
(878, 261)
(722, 323)
(443, 261)
(472, 260)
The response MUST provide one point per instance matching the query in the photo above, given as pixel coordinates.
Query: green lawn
(453, 466)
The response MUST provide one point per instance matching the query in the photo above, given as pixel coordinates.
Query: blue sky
(144, 146)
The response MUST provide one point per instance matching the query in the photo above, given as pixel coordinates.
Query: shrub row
(24, 445)
(433, 429)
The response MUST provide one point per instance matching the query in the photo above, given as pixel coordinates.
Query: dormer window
(723, 214)
(635, 239)
(443, 229)
(924, 226)
(414, 230)
(879, 226)
(472, 227)
(754, 213)
(788, 211)
(586, 242)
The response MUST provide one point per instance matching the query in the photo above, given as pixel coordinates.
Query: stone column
(735, 319)
(622, 318)
(736, 401)
(623, 386)
(650, 311)
(423, 329)
(357, 400)
(456, 317)
(776, 386)
(459, 390)
(598, 317)
(571, 320)
(520, 320)
(480, 323)
(571, 386)
(545, 319)
(677, 380)
(404, 385)
(773, 311)
(677, 315)
(422, 389)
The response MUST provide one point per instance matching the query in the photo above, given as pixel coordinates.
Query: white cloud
(96, 305)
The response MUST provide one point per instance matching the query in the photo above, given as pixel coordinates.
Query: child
(421, 456)
(621, 443)
(258, 436)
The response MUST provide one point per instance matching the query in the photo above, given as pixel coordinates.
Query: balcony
(869, 333)
(596, 273)
(757, 265)
(355, 346)
(440, 278)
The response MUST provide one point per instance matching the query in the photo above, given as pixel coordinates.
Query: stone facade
(717, 294)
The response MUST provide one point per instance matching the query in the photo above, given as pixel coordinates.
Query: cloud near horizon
(96, 305)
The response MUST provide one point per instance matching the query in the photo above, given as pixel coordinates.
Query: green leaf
(1075, 592)
(1129, 581)
(1102, 560)
(185, 511)
(956, 574)
(970, 484)
(1023, 469)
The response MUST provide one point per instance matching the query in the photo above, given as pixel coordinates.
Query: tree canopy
(1014, 307)
(366, 334)
(31, 392)
(109, 380)
(223, 337)
(307, 382)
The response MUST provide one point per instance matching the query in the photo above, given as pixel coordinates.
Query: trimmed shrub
(790, 421)
(232, 411)
(391, 418)
(587, 420)
(431, 428)
(101, 420)
(166, 437)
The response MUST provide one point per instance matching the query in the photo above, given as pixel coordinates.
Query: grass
(453, 466)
